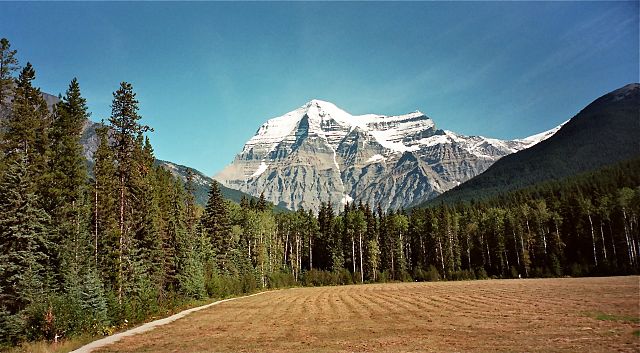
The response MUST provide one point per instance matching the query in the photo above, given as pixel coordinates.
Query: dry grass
(47, 347)
(542, 315)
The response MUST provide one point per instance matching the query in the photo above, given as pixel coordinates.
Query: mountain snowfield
(320, 153)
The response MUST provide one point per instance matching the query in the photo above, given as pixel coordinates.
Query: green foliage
(429, 275)
(281, 280)
(614, 317)
(8, 65)
(216, 226)
(317, 278)
(23, 249)
(191, 277)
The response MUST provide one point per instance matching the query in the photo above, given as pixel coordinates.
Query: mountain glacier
(320, 153)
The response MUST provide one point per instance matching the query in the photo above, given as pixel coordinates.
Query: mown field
(538, 315)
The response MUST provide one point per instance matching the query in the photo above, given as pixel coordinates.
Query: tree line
(94, 252)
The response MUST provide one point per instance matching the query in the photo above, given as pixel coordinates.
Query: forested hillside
(82, 254)
(603, 133)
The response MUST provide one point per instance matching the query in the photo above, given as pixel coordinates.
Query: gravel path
(150, 326)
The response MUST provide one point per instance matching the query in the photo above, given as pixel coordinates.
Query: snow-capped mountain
(319, 152)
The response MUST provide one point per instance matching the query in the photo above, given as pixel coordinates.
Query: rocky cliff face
(320, 153)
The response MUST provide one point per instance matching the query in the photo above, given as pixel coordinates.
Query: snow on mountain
(321, 153)
(537, 138)
(331, 123)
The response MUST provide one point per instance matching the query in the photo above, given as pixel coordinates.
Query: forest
(94, 251)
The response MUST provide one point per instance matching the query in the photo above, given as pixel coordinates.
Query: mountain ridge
(603, 133)
(320, 153)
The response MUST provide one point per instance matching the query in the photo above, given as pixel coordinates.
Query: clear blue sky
(209, 74)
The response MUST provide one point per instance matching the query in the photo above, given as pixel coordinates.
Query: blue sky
(209, 74)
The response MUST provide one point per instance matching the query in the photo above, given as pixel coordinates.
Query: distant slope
(202, 183)
(607, 131)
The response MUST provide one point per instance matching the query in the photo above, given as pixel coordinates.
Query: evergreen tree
(24, 246)
(216, 225)
(26, 128)
(66, 179)
(8, 65)
(262, 204)
(124, 122)
(105, 209)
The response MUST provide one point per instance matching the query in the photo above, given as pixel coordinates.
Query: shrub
(481, 273)
(280, 279)
(383, 277)
(432, 274)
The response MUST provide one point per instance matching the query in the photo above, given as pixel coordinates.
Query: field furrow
(544, 315)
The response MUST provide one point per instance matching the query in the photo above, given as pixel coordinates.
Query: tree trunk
(636, 241)
(451, 262)
(361, 270)
(298, 256)
(555, 222)
(121, 240)
(441, 256)
(526, 271)
(286, 247)
(593, 240)
(484, 256)
(626, 235)
(506, 258)
(96, 225)
(515, 247)
(393, 271)
(604, 246)
(613, 243)
(488, 254)
(468, 253)
(310, 254)
(353, 253)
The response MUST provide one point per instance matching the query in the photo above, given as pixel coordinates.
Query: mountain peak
(317, 102)
(630, 90)
(629, 87)
(319, 152)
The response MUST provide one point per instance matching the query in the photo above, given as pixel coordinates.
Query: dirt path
(150, 326)
(533, 315)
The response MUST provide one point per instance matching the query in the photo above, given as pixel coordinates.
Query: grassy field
(540, 315)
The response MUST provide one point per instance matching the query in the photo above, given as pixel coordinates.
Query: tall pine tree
(8, 65)
(124, 122)
(216, 225)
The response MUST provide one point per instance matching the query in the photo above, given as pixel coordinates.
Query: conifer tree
(68, 174)
(262, 204)
(183, 256)
(216, 225)
(8, 65)
(105, 209)
(244, 202)
(24, 246)
(66, 179)
(26, 127)
(191, 202)
(126, 128)
(145, 216)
